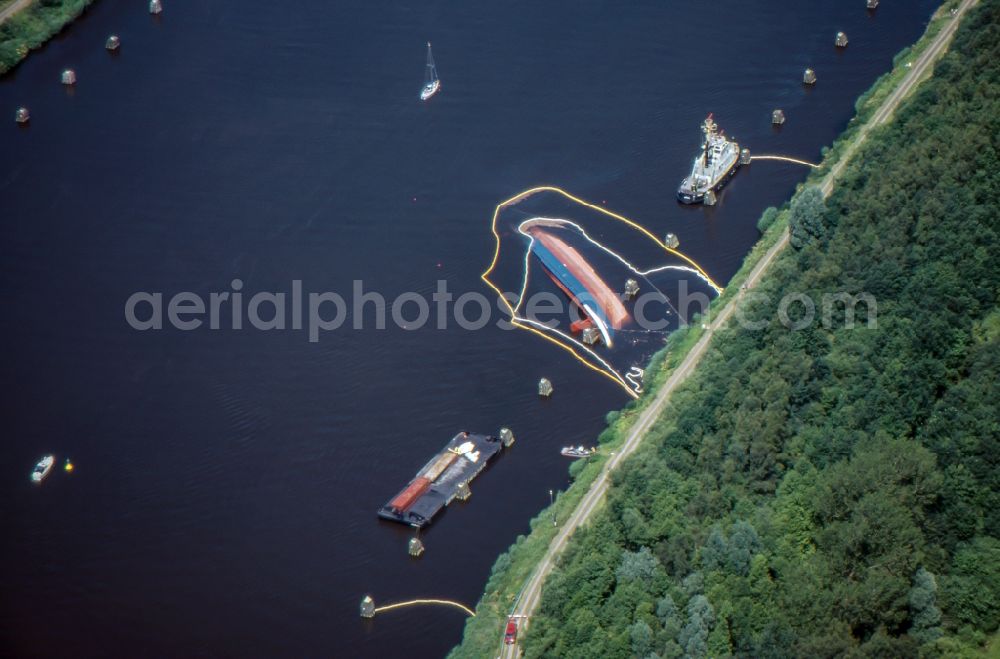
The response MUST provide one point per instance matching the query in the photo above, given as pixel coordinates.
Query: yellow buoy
(68, 466)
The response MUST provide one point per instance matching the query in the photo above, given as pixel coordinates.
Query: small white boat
(42, 469)
(578, 452)
(431, 84)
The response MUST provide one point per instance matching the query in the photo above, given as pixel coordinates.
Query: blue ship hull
(573, 287)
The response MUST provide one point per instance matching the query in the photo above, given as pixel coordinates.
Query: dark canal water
(226, 482)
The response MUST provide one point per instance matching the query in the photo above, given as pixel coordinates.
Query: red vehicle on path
(510, 636)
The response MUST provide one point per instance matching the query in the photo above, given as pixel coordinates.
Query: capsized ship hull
(578, 280)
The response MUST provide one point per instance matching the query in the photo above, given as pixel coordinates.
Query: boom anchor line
(578, 350)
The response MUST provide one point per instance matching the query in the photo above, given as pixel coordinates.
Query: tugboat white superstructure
(718, 161)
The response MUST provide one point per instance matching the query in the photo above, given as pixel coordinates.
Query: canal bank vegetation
(31, 27)
(513, 568)
(829, 492)
(869, 102)
(825, 492)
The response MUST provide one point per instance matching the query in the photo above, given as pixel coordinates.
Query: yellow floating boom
(523, 323)
(786, 159)
(399, 605)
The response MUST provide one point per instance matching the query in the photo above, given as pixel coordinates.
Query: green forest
(32, 27)
(829, 491)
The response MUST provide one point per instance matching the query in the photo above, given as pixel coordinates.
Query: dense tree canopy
(832, 491)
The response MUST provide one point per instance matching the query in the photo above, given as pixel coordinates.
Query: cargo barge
(445, 477)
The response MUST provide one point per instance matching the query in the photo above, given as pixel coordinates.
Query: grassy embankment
(513, 568)
(32, 27)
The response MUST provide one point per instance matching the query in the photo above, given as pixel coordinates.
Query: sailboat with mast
(431, 82)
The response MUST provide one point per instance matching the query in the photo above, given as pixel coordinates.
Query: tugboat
(42, 469)
(578, 452)
(718, 161)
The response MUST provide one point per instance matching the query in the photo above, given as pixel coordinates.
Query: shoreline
(515, 569)
(26, 25)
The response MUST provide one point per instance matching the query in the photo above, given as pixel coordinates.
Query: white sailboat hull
(430, 89)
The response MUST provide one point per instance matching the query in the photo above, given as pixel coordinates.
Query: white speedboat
(42, 469)
(578, 452)
(431, 84)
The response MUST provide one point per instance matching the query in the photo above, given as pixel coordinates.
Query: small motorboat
(578, 452)
(42, 469)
